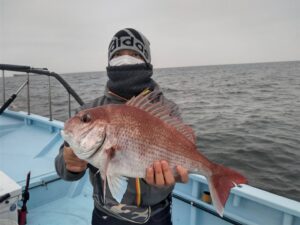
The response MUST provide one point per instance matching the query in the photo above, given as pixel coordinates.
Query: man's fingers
(161, 175)
(76, 169)
(150, 176)
(68, 153)
(76, 166)
(73, 163)
(167, 173)
(80, 163)
(158, 174)
(183, 174)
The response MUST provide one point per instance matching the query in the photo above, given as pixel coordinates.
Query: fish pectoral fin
(117, 186)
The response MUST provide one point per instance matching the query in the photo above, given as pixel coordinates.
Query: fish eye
(85, 118)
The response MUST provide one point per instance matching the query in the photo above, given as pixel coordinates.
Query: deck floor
(77, 210)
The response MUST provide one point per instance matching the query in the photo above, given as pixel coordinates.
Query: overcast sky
(73, 35)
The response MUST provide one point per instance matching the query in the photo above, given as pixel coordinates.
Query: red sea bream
(123, 140)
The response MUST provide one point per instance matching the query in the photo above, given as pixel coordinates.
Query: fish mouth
(64, 135)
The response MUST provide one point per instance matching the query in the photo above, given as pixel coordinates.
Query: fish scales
(150, 137)
(152, 131)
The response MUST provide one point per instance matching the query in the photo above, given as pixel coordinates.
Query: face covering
(130, 80)
(125, 60)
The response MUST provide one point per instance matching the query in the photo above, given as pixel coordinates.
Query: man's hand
(73, 163)
(161, 175)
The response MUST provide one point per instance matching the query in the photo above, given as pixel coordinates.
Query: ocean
(246, 116)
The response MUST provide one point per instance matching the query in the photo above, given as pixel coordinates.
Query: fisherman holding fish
(123, 137)
(144, 201)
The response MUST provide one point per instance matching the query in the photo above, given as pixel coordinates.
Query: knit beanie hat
(130, 39)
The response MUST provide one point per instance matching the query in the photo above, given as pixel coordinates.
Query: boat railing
(38, 71)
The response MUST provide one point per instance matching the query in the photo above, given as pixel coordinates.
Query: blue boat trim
(206, 209)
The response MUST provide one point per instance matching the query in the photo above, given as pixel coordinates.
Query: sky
(73, 35)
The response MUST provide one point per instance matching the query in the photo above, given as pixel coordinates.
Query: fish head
(86, 131)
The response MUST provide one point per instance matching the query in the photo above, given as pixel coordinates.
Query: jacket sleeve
(61, 169)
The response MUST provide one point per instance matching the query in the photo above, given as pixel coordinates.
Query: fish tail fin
(220, 182)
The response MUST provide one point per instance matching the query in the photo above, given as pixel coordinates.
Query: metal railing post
(3, 85)
(28, 95)
(49, 97)
(69, 101)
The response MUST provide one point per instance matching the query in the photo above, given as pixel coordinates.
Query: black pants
(161, 218)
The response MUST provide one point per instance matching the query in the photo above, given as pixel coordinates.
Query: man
(145, 201)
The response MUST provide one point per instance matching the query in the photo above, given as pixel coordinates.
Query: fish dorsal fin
(152, 103)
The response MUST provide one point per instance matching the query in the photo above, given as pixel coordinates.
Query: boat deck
(31, 142)
(28, 143)
(62, 203)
